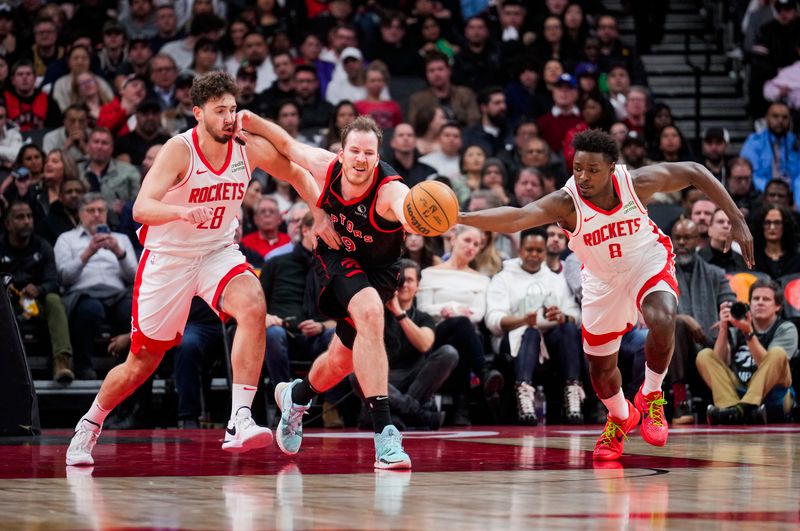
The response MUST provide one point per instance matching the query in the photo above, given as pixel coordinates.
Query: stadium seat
(791, 295)
(664, 215)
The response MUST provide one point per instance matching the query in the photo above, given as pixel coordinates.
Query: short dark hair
(534, 231)
(212, 86)
(306, 68)
(450, 125)
(72, 180)
(434, 56)
(767, 283)
(407, 263)
(596, 141)
(362, 123)
(783, 184)
(22, 63)
(486, 94)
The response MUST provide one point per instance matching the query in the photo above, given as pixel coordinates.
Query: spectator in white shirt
(97, 268)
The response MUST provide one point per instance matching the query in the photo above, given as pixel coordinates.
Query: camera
(103, 229)
(739, 310)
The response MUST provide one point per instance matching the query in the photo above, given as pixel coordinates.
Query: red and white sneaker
(654, 427)
(611, 443)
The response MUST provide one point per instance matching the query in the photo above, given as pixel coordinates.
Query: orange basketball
(431, 207)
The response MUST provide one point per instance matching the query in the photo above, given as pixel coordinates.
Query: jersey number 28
(215, 221)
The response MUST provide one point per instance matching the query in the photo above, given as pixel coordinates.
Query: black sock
(303, 392)
(379, 411)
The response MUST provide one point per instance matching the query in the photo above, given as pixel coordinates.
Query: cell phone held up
(103, 229)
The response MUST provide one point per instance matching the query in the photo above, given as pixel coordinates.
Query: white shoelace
(575, 395)
(525, 399)
(85, 440)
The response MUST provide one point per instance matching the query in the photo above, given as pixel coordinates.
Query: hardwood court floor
(478, 479)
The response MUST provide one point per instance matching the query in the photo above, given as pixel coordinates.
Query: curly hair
(362, 123)
(596, 141)
(212, 86)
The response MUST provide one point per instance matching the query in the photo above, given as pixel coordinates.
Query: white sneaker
(80, 448)
(243, 434)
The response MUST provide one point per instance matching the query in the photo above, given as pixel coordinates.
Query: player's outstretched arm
(675, 176)
(315, 160)
(169, 167)
(264, 155)
(556, 206)
(389, 204)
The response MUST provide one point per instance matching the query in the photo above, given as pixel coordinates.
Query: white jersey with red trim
(221, 189)
(620, 241)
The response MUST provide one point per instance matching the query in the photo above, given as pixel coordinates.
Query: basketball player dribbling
(188, 206)
(364, 198)
(628, 269)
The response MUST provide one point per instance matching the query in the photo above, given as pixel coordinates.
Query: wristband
(750, 335)
(402, 316)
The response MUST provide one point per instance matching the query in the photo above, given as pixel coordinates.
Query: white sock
(652, 380)
(94, 418)
(617, 405)
(242, 397)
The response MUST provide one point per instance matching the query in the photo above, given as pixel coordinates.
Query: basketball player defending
(188, 206)
(628, 269)
(364, 198)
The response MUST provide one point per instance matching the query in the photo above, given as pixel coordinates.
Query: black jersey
(373, 241)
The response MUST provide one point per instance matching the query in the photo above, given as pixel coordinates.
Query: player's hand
(197, 215)
(240, 125)
(740, 233)
(695, 330)
(273, 320)
(323, 228)
(311, 328)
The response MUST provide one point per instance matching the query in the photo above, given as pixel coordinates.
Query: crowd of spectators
(484, 96)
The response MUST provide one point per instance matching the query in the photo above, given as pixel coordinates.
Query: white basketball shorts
(163, 291)
(610, 309)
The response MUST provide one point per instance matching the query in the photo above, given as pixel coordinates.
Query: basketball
(431, 207)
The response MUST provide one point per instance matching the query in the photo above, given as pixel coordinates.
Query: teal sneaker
(389, 453)
(289, 434)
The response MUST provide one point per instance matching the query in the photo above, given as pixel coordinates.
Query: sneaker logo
(231, 431)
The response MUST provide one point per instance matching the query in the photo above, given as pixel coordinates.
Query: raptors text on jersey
(366, 236)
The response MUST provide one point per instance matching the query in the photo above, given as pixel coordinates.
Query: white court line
(406, 435)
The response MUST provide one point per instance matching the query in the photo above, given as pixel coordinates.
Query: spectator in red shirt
(267, 219)
(564, 115)
(386, 113)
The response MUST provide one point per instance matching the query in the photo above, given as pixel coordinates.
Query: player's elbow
(138, 215)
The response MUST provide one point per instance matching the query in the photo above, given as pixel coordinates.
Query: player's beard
(222, 139)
